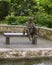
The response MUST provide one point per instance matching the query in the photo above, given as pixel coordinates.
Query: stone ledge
(24, 53)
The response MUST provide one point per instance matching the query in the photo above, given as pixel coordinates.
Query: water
(27, 62)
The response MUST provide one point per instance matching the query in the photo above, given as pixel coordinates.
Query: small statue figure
(30, 29)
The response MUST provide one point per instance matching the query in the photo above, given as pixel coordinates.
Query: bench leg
(7, 40)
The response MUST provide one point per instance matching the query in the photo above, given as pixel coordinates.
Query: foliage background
(18, 11)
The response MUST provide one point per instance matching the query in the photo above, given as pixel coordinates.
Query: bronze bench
(8, 35)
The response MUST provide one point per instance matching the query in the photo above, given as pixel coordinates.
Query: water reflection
(27, 62)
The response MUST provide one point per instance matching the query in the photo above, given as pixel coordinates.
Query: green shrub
(49, 21)
(22, 19)
(42, 19)
(11, 20)
(16, 20)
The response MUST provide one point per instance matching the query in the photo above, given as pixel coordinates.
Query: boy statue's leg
(28, 33)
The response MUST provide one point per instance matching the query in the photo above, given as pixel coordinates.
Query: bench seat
(14, 34)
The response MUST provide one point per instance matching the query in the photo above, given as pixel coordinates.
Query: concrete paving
(23, 42)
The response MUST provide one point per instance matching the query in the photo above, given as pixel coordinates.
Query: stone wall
(9, 28)
(43, 32)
